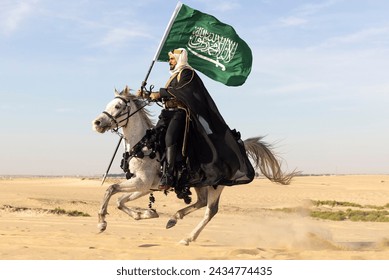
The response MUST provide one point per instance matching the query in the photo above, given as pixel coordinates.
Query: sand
(259, 221)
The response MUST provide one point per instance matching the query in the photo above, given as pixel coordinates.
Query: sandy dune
(261, 220)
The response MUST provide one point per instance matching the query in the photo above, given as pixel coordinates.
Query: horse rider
(195, 129)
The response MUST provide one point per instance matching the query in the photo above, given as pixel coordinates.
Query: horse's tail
(264, 159)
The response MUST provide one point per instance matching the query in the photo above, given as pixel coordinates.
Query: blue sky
(318, 90)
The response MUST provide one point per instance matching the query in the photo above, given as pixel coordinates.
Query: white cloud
(362, 36)
(13, 13)
(299, 87)
(359, 74)
(300, 14)
(218, 6)
(311, 9)
(118, 36)
(64, 110)
(225, 6)
(293, 21)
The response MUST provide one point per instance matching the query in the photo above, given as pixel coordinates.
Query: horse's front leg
(113, 189)
(212, 209)
(137, 213)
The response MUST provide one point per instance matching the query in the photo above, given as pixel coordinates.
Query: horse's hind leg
(200, 203)
(137, 214)
(212, 208)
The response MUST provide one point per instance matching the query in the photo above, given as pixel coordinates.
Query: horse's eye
(117, 107)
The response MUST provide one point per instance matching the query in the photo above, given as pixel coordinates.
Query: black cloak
(215, 152)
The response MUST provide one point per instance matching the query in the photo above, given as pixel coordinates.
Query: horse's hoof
(148, 214)
(153, 213)
(184, 242)
(171, 223)
(102, 226)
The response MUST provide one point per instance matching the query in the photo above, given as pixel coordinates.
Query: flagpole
(169, 26)
(167, 30)
(113, 157)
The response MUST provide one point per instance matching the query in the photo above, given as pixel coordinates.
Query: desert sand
(258, 221)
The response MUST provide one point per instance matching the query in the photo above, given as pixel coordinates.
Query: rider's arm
(155, 95)
(163, 93)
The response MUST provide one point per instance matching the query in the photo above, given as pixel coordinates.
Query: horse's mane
(144, 112)
(139, 102)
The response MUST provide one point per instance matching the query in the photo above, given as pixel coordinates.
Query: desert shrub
(334, 203)
(329, 215)
(74, 213)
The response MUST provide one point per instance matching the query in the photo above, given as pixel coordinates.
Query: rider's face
(172, 62)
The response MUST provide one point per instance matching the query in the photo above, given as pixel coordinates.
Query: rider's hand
(155, 95)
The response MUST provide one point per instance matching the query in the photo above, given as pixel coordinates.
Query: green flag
(213, 47)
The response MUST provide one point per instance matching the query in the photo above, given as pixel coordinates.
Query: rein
(116, 130)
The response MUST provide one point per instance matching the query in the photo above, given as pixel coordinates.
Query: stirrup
(166, 182)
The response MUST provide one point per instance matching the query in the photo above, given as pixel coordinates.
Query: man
(196, 130)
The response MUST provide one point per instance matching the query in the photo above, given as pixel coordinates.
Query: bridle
(125, 111)
(120, 114)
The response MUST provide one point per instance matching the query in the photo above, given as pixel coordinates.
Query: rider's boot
(167, 179)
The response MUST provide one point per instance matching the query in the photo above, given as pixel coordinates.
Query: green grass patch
(334, 203)
(74, 213)
(368, 216)
(352, 215)
(355, 212)
(329, 215)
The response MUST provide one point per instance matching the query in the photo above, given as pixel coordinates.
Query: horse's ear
(116, 92)
(127, 90)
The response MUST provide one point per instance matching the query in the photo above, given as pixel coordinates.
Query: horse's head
(116, 113)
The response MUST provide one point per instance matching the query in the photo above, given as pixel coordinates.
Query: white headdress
(181, 56)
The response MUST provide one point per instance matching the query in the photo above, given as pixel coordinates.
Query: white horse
(126, 111)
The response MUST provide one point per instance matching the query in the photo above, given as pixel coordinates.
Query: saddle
(156, 150)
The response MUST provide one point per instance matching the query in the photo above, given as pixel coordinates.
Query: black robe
(216, 154)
